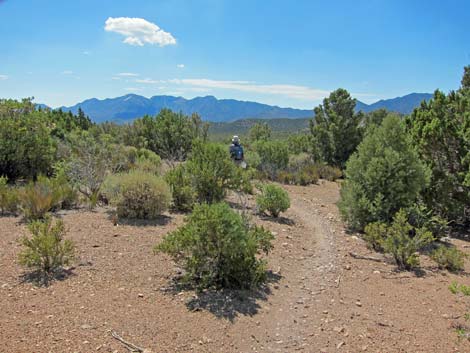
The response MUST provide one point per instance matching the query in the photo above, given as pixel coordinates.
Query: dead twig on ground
(130, 346)
(362, 257)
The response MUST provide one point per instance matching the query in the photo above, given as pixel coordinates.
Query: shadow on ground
(229, 303)
(40, 279)
(160, 221)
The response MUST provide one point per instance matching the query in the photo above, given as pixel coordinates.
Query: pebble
(140, 295)
(358, 303)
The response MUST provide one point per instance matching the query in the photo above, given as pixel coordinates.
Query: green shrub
(403, 241)
(449, 258)
(38, 198)
(183, 194)
(299, 161)
(212, 172)
(374, 235)
(384, 176)
(147, 161)
(274, 157)
(26, 146)
(308, 175)
(286, 177)
(141, 195)
(66, 194)
(216, 249)
(252, 159)
(8, 197)
(329, 173)
(273, 199)
(46, 251)
(420, 217)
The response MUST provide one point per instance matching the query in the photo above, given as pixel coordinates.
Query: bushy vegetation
(400, 239)
(273, 199)
(38, 198)
(140, 195)
(384, 176)
(182, 191)
(274, 157)
(260, 132)
(217, 250)
(8, 197)
(449, 258)
(46, 251)
(168, 134)
(336, 130)
(440, 131)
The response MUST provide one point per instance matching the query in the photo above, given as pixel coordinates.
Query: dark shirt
(236, 151)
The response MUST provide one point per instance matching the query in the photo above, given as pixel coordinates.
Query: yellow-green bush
(449, 258)
(8, 197)
(273, 199)
(47, 250)
(38, 198)
(141, 195)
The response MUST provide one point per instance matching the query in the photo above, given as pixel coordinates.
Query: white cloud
(127, 74)
(3, 77)
(133, 89)
(149, 81)
(86, 52)
(292, 91)
(139, 32)
(67, 72)
(180, 66)
(303, 93)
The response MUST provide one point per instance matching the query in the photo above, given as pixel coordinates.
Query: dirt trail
(318, 299)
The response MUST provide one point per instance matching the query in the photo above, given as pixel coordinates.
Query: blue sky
(288, 53)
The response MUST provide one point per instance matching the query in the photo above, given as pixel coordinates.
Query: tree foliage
(336, 129)
(260, 132)
(383, 176)
(440, 131)
(169, 134)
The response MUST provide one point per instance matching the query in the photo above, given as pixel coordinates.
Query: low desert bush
(212, 172)
(403, 241)
(8, 197)
(449, 258)
(374, 235)
(141, 195)
(147, 161)
(183, 194)
(38, 198)
(217, 250)
(329, 173)
(46, 250)
(66, 194)
(420, 217)
(273, 199)
(274, 157)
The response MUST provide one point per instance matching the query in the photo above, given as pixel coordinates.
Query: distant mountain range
(131, 106)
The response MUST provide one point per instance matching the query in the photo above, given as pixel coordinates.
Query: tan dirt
(318, 299)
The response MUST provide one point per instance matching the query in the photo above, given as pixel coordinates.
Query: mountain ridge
(131, 106)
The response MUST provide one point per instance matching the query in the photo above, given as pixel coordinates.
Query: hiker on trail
(236, 151)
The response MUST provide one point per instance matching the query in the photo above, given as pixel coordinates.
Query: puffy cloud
(3, 77)
(180, 66)
(139, 32)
